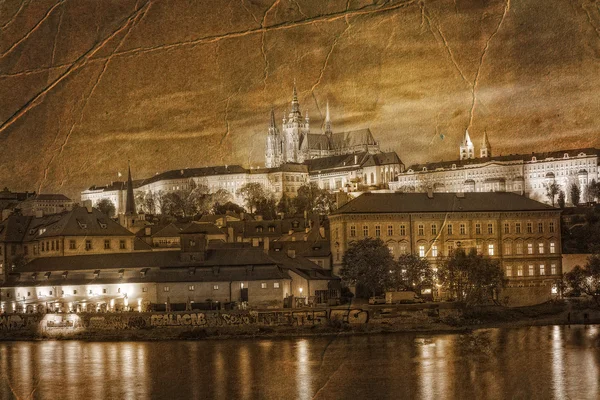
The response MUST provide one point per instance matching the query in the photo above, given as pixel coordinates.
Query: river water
(521, 363)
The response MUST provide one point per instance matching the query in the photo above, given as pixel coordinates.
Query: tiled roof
(351, 161)
(195, 173)
(382, 159)
(51, 197)
(440, 202)
(317, 141)
(14, 228)
(80, 222)
(203, 227)
(344, 140)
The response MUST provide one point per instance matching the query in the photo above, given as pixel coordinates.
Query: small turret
(327, 121)
(467, 150)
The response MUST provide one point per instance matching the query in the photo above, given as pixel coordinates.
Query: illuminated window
(479, 248)
(541, 248)
(542, 269)
(403, 249)
(263, 285)
(478, 229)
(552, 248)
(508, 271)
(434, 229)
(507, 249)
(421, 230)
(553, 269)
(166, 289)
(519, 247)
(365, 230)
(377, 230)
(215, 287)
(421, 250)
(402, 230)
(520, 270)
(434, 251)
(352, 231)
(391, 249)
(390, 230)
(531, 270)
(463, 229)
(276, 285)
(529, 248)
(490, 249)
(191, 288)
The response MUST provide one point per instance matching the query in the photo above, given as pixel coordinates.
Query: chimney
(355, 159)
(230, 237)
(39, 213)
(266, 245)
(291, 253)
(88, 205)
(430, 193)
(148, 231)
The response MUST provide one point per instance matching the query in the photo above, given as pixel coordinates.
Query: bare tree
(552, 190)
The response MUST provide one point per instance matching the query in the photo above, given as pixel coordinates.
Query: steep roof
(51, 197)
(336, 162)
(386, 158)
(80, 222)
(14, 228)
(203, 227)
(440, 202)
(195, 173)
(343, 140)
(316, 141)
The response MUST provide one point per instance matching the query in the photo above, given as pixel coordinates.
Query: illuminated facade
(522, 234)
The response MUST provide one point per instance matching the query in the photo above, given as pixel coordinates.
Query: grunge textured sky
(86, 85)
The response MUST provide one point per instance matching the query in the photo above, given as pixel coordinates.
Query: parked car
(377, 300)
(407, 297)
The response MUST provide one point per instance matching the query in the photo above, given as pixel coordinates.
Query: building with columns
(518, 173)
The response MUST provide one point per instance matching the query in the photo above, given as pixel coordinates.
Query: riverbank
(426, 318)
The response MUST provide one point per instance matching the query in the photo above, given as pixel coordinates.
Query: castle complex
(525, 174)
(348, 161)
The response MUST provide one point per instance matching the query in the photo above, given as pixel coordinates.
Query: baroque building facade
(526, 174)
(523, 235)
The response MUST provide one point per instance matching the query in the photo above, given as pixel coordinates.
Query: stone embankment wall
(181, 325)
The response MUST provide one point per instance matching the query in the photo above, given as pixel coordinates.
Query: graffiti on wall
(127, 321)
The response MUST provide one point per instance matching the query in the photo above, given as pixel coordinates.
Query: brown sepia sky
(86, 84)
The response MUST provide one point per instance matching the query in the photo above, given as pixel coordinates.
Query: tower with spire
(486, 148)
(467, 150)
(327, 121)
(130, 199)
(273, 147)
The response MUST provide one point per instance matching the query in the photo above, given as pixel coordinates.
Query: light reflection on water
(536, 362)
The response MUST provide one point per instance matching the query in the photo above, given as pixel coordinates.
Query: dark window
(122, 244)
(72, 245)
(88, 244)
(106, 244)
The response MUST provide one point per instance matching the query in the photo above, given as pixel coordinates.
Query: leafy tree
(229, 206)
(253, 193)
(587, 279)
(592, 191)
(413, 272)
(470, 277)
(561, 199)
(552, 189)
(286, 205)
(368, 262)
(575, 194)
(310, 198)
(267, 207)
(106, 207)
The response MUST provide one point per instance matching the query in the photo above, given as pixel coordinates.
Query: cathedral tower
(273, 146)
(327, 121)
(486, 148)
(294, 130)
(467, 150)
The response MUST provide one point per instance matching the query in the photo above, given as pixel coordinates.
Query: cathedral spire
(327, 120)
(272, 124)
(130, 200)
(295, 104)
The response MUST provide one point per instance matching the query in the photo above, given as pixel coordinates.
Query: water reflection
(536, 362)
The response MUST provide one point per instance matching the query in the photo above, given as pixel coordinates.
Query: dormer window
(65, 274)
(121, 273)
(581, 154)
(533, 158)
(47, 275)
(143, 272)
(96, 273)
(566, 155)
(102, 224)
(453, 166)
(424, 169)
(82, 225)
(259, 229)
